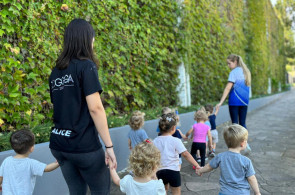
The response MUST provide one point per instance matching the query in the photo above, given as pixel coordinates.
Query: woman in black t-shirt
(79, 115)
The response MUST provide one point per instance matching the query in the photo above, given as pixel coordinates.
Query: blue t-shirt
(137, 136)
(235, 169)
(239, 94)
(212, 119)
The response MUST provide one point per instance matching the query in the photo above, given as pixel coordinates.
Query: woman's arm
(98, 115)
(226, 91)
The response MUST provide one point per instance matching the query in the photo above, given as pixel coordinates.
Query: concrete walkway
(271, 137)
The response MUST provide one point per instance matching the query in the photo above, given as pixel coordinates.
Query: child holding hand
(214, 133)
(18, 173)
(170, 148)
(144, 162)
(199, 131)
(236, 170)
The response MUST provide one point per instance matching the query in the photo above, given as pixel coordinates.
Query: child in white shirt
(144, 162)
(18, 173)
(170, 148)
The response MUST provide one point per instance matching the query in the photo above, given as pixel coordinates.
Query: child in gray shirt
(18, 173)
(237, 171)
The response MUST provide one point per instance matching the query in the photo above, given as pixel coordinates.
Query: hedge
(139, 45)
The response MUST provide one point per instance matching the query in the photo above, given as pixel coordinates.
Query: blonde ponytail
(240, 63)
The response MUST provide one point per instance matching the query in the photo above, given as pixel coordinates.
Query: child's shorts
(170, 177)
(214, 134)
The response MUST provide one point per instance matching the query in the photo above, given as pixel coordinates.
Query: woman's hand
(110, 156)
(218, 106)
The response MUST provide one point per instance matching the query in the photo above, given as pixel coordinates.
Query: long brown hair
(240, 63)
(78, 40)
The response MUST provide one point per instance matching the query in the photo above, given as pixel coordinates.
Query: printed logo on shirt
(60, 83)
(62, 132)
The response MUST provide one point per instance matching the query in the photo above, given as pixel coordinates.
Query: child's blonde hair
(136, 120)
(201, 114)
(144, 159)
(246, 71)
(166, 110)
(234, 135)
(167, 121)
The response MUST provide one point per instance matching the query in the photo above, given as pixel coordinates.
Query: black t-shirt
(74, 130)
(212, 121)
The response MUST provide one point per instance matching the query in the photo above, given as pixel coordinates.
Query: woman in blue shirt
(237, 88)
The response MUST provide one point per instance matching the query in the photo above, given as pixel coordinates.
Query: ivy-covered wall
(139, 46)
(265, 50)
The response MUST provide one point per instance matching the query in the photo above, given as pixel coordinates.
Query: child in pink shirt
(200, 131)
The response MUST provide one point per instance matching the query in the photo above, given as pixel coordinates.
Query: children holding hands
(170, 148)
(237, 171)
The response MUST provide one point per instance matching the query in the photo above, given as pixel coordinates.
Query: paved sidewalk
(271, 137)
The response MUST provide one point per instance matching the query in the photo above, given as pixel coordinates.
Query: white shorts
(214, 134)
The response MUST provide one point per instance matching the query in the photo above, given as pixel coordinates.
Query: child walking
(214, 133)
(237, 171)
(18, 173)
(136, 135)
(170, 148)
(178, 132)
(144, 162)
(199, 131)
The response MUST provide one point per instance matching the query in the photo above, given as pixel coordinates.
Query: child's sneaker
(198, 159)
(212, 154)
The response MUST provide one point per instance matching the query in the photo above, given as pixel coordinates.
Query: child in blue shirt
(236, 170)
(136, 135)
(214, 133)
